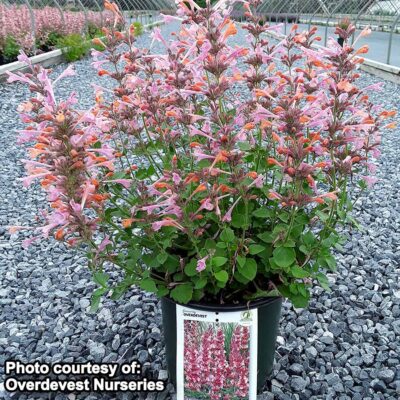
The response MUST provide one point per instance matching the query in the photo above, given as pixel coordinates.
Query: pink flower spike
(22, 57)
(201, 264)
(156, 226)
(370, 181)
(16, 228)
(176, 178)
(69, 71)
(228, 216)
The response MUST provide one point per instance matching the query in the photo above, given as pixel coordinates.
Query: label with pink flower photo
(216, 354)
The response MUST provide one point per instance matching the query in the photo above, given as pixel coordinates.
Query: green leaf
(182, 293)
(299, 301)
(227, 235)
(283, 217)
(221, 276)
(162, 257)
(323, 216)
(240, 278)
(308, 239)
(239, 221)
(266, 237)
(190, 268)
(284, 256)
(262, 294)
(298, 272)
(244, 146)
(172, 264)
(249, 270)
(148, 285)
(323, 281)
(219, 261)
(256, 248)
(150, 260)
(201, 283)
(304, 249)
(96, 296)
(331, 262)
(262, 213)
(209, 244)
(162, 291)
(241, 260)
(198, 295)
(101, 278)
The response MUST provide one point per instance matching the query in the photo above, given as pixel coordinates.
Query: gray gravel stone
(298, 383)
(386, 375)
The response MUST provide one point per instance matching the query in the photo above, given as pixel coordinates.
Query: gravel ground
(344, 346)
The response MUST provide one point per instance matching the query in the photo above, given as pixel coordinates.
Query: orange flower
(252, 174)
(191, 178)
(230, 30)
(60, 117)
(265, 124)
(248, 126)
(362, 50)
(200, 188)
(98, 42)
(272, 161)
(127, 223)
(171, 113)
(59, 235)
(103, 72)
(126, 99)
(160, 185)
(224, 188)
(387, 114)
(345, 85)
(261, 93)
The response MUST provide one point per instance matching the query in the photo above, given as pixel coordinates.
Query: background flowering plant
(211, 172)
(50, 26)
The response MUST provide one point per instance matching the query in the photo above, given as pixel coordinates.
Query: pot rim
(227, 307)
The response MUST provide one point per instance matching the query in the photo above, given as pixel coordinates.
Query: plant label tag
(216, 354)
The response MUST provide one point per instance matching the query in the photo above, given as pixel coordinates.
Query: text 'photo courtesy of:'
(199, 200)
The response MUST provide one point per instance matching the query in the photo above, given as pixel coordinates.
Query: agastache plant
(211, 172)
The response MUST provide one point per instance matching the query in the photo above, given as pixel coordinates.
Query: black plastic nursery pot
(269, 311)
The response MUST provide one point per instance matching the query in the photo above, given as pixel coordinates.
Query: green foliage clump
(53, 38)
(138, 28)
(74, 46)
(10, 49)
(94, 31)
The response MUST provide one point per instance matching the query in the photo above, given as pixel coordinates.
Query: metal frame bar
(329, 19)
(363, 9)
(391, 39)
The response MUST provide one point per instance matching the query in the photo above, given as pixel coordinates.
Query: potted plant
(212, 175)
(343, 31)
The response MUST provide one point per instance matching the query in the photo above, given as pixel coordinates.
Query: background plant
(49, 27)
(193, 192)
